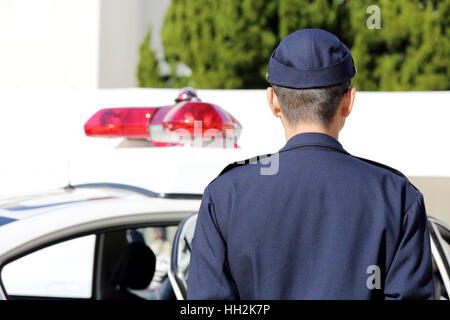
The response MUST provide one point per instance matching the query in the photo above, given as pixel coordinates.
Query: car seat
(134, 270)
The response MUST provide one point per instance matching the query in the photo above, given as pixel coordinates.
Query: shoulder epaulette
(395, 171)
(233, 165)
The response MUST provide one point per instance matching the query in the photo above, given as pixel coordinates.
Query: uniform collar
(312, 139)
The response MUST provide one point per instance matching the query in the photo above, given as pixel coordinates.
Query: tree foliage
(224, 43)
(148, 73)
(227, 43)
(411, 51)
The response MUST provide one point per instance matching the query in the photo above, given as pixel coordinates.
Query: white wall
(40, 130)
(122, 28)
(75, 43)
(123, 25)
(41, 133)
(49, 43)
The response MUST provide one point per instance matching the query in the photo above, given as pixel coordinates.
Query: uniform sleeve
(209, 276)
(410, 275)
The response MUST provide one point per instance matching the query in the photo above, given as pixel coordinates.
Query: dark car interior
(125, 262)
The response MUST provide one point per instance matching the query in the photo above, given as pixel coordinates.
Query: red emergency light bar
(186, 122)
(120, 122)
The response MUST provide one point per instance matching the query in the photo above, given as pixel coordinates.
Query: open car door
(181, 256)
(440, 248)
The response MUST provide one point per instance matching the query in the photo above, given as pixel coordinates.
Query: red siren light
(195, 123)
(120, 122)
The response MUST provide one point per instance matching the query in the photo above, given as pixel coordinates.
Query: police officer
(326, 224)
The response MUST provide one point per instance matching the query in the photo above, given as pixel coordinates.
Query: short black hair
(312, 104)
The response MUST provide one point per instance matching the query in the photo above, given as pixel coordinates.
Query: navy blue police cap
(310, 58)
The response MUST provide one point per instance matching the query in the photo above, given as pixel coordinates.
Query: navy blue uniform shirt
(327, 225)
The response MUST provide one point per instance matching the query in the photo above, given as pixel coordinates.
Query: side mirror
(181, 256)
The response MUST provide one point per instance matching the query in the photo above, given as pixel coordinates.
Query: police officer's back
(312, 221)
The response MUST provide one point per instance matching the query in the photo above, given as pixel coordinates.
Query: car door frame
(88, 228)
(179, 284)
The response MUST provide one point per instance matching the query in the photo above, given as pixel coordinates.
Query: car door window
(101, 266)
(62, 270)
(123, 272)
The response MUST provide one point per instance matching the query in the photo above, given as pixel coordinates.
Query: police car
(69, 243)
(75, 236)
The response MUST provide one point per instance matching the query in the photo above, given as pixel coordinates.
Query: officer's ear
(273, 102)
(347, 102)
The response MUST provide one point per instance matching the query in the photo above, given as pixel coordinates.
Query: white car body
(47, 218)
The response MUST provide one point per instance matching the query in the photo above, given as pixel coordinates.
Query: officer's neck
(291, 131)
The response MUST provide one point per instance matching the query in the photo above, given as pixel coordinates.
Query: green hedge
(227, 43)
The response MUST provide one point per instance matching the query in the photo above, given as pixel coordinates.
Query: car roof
(76, 210)
(30, 204)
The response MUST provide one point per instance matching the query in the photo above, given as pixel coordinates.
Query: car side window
(121, 253)
(62, 270)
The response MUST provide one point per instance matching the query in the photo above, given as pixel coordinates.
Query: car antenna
(69, 185)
